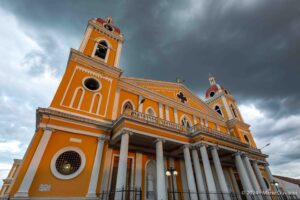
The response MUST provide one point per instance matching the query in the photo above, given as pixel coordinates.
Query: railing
(154, 120)
(123, 194)
(177, 127)
(230, 196)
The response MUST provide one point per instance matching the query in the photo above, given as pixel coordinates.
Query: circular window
(108, 27)
(68, 163)
(211, 94)
(91, 84)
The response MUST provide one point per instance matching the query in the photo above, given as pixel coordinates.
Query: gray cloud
(251, 47)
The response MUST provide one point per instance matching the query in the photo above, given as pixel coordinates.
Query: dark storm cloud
(252, 47)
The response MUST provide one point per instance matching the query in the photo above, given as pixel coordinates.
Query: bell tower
(103, 41)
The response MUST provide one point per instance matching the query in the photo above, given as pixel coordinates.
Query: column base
(91, 196)
(21, 195)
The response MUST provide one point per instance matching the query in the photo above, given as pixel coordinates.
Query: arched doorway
(150, 178)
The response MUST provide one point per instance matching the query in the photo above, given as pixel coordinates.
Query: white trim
(140, 105)
(34, 164)
(76, 140)
(148, 134)
(58, 153)
(175, 115)
(125, 101)
(83, 116)
(90, 77)
(150, 108)
(74, 96)
(227, 108)
(98, 105)
(97, 40)
(98, 75)
(96, 168)
(116, 104)
(160, 109)
(71, 130)
(167, 113)
(85, 38)
(118, 54)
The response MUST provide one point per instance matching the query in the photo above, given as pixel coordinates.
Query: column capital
(201, 145)
(159, 140)
(213, 147)
(102, 138)
(126, 132)
(46, 128)
(238, 153)
(186, 146)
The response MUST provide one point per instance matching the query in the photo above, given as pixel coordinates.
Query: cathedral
(111, 137)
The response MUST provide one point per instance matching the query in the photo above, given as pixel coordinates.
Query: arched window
(233, 111)
(151, 112)
(127, 106)
(246, 138)
(218, 109)
(101, 50)
(185, 122)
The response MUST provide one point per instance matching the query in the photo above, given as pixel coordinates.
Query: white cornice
(95, 64)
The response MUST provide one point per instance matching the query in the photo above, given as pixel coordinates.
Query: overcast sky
(251, 46)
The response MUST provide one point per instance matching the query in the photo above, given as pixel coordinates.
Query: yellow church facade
(107, 136)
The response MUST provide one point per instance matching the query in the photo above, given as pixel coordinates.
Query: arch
(217, 108)
(101, 49)
(77, 98)
(127, 101)
(185, 121)
(96, 102)
(150, 111)
(150, 180)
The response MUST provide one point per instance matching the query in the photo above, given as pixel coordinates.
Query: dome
(213, 89)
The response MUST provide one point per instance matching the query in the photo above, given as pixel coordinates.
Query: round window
(68, 162)
(91, 84)
(211, 94)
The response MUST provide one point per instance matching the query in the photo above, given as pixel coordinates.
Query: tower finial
(211, 79)
(109, 20)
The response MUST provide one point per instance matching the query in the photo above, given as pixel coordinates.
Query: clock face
(108, 27)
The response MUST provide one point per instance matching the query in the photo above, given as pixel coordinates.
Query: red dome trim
(213, 88)
(116, 29)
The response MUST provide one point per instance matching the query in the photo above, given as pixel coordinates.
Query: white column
(96, 168)
(122, 167)
(220, 173)
(118, 55)
(270, 177)
(138, 170)
(260, 178)
(242, 173)
(167, 113)
(34, 164)
(199, 175)
(189, 172)
(106, 171)
(208, 173)
(140, 106)
(234, 183)
(116, 104)
(160, 110)
(251, 174)
(175, 116)
(160, 171)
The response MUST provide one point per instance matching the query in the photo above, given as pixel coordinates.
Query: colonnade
(250, 175)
